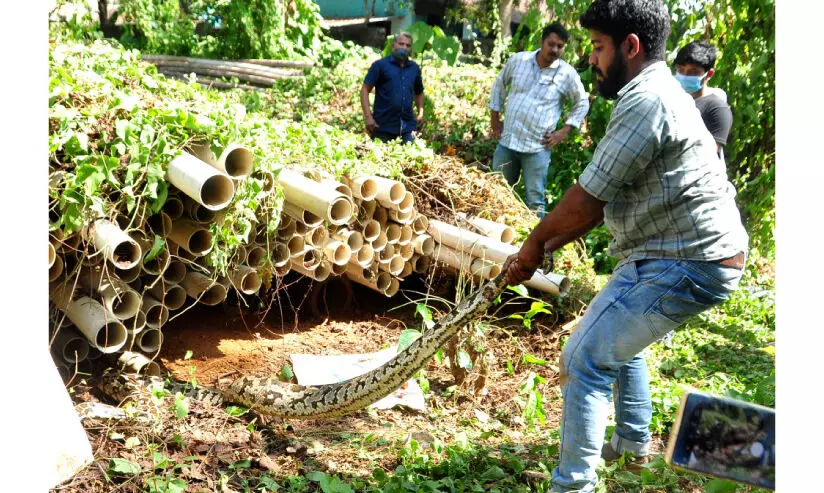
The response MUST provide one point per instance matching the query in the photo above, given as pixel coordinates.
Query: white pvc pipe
(173, 207)
(394, 266)
(70, 345)
(283, 269)
(407, 270)
(52, 255)
(149, 340)
(66, 244)
(268, 179)
(386, 254)
(371, 230)
(321, 271)
(407, 204)
(424, 245)
(363, 187)
(121, 300)
(318, 237)
(255, 255)
(235, 160)
(406, 251)
(135, 324)
(280, 254)
(394, 285)
(203, 288)
(56, 268)
(338, 270)
(192, 237)
(303, 215)
(197, 212)
(296, 245)
(301, 228)
(420, 263)
(365, 256)
(406, 235)
(352, 238)
(160, 224)
(382, 216)
(389, 190)
(305, 193)
(551, 283)
(173, 296)
(467, 263)
(208, 186)
(366, 210)
(420, 223)
(116, 246)
(393, 233)
(175, 272)
(381, 283)
(380, 242)
(158, 265)
(245, 279)
(129, 275)
(492, 229)
(337, 252)
(286, 228)
(156, 312)
(402, 217)
(130, 362)
(101, 328)
(468, 242)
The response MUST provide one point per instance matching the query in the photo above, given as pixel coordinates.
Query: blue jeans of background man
(641, 302)
(535, 166)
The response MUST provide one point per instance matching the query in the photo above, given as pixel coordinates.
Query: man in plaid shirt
(658, 184)
(538, 83)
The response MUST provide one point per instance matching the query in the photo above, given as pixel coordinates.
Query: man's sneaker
(632, 464)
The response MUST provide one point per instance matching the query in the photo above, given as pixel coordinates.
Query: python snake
(270, 397)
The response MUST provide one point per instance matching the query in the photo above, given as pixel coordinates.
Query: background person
(397, 82)
(694, 67)
(659, 187)
(534, 85)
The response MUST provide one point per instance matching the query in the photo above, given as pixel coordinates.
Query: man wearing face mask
(537, 83)
(694, 67)
(397, 82)
(657, 184)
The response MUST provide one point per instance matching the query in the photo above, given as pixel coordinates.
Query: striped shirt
(666, 190)
(535, 99)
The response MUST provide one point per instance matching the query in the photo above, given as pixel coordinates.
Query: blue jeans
(535, 166)
(641, 302)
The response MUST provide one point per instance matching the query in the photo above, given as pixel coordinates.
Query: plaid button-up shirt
(666, 190)
(535, 99)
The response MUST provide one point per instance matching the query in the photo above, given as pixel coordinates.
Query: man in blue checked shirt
(397, 82)
(656, 181)
(538, 82)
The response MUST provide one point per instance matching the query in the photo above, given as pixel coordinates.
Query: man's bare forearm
(576, 214)
(364, 101)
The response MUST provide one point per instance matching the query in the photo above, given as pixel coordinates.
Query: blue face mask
(690, 83)
(401, 54)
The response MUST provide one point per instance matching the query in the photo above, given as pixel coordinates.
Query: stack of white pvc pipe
(483, 255)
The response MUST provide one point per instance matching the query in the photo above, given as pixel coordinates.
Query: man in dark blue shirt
(397, 82)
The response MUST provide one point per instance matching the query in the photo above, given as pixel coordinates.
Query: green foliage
(252, 29)
(427, 39)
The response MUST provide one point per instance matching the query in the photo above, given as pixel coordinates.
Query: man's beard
(614, 79)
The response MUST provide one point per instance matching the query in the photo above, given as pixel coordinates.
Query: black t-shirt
(717, 116)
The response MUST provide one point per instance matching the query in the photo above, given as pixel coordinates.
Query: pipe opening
(173, 207)
(280, 254)
(393, 233)
(371, 230)
(158, 264)
(111, 337)
(200, 242)
(175, 272)
(56, 269)
(239, 162)
(160, 224)
(126, 254)
(296, 245)
(392, 289)
(255, 256)
(150, 340)
(203, 215)
(214, 295)
(129, 275)
(338, 269)
(174, 297)
(368, 189)
(380, 242)
(407, 203)
(340, 211)
(508, 235)
(406, 235)
(156, 316)
(136, 323)
(383, 280)
(217, 191)
(125, 304)
(52, 255)
(420, 224)
(76, 349)
(397, 192)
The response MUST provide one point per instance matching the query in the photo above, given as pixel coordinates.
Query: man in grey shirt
(534, 85)
(657, 183)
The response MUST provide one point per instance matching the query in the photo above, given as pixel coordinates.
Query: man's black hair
(648, 19)
(557, 29)
(698, 53)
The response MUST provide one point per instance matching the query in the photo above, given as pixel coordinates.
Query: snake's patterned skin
(270, 397)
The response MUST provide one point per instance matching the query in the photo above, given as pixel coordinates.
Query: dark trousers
(386, 136)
